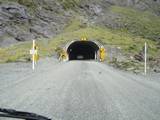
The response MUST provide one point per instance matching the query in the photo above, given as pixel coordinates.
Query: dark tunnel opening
(83, 50)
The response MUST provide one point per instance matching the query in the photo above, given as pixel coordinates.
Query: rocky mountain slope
(126, 24)
(26, 20)
(23, 20)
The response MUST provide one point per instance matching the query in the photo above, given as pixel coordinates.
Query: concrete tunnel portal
(82, 50)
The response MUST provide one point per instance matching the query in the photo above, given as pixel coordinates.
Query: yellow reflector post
(102, 54)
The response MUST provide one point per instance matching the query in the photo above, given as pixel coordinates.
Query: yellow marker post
(33, 62)
(83, 39)
(63, 55)
(36, 56)
(34, 53)
(102, 54)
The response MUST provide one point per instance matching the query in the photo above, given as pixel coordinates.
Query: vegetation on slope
(136, 27)
(69, 4)
(73, 31)
(27, 3)
(139, 23)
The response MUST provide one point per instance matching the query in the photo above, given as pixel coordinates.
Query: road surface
(79, 90)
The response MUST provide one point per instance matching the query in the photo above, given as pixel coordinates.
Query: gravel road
(79, 90)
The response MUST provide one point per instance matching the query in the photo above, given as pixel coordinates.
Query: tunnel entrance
(83, 50)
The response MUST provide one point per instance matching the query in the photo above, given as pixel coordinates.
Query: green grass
(14, 53)
(74, 25)
(69, 4)
(28, 3)
(144, 24)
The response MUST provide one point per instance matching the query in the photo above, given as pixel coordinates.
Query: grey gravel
(79, 90)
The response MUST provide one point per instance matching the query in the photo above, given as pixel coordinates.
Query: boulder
(13, 11)
(139, 57)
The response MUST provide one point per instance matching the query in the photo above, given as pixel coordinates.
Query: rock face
(139, 4)
(21, 23)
